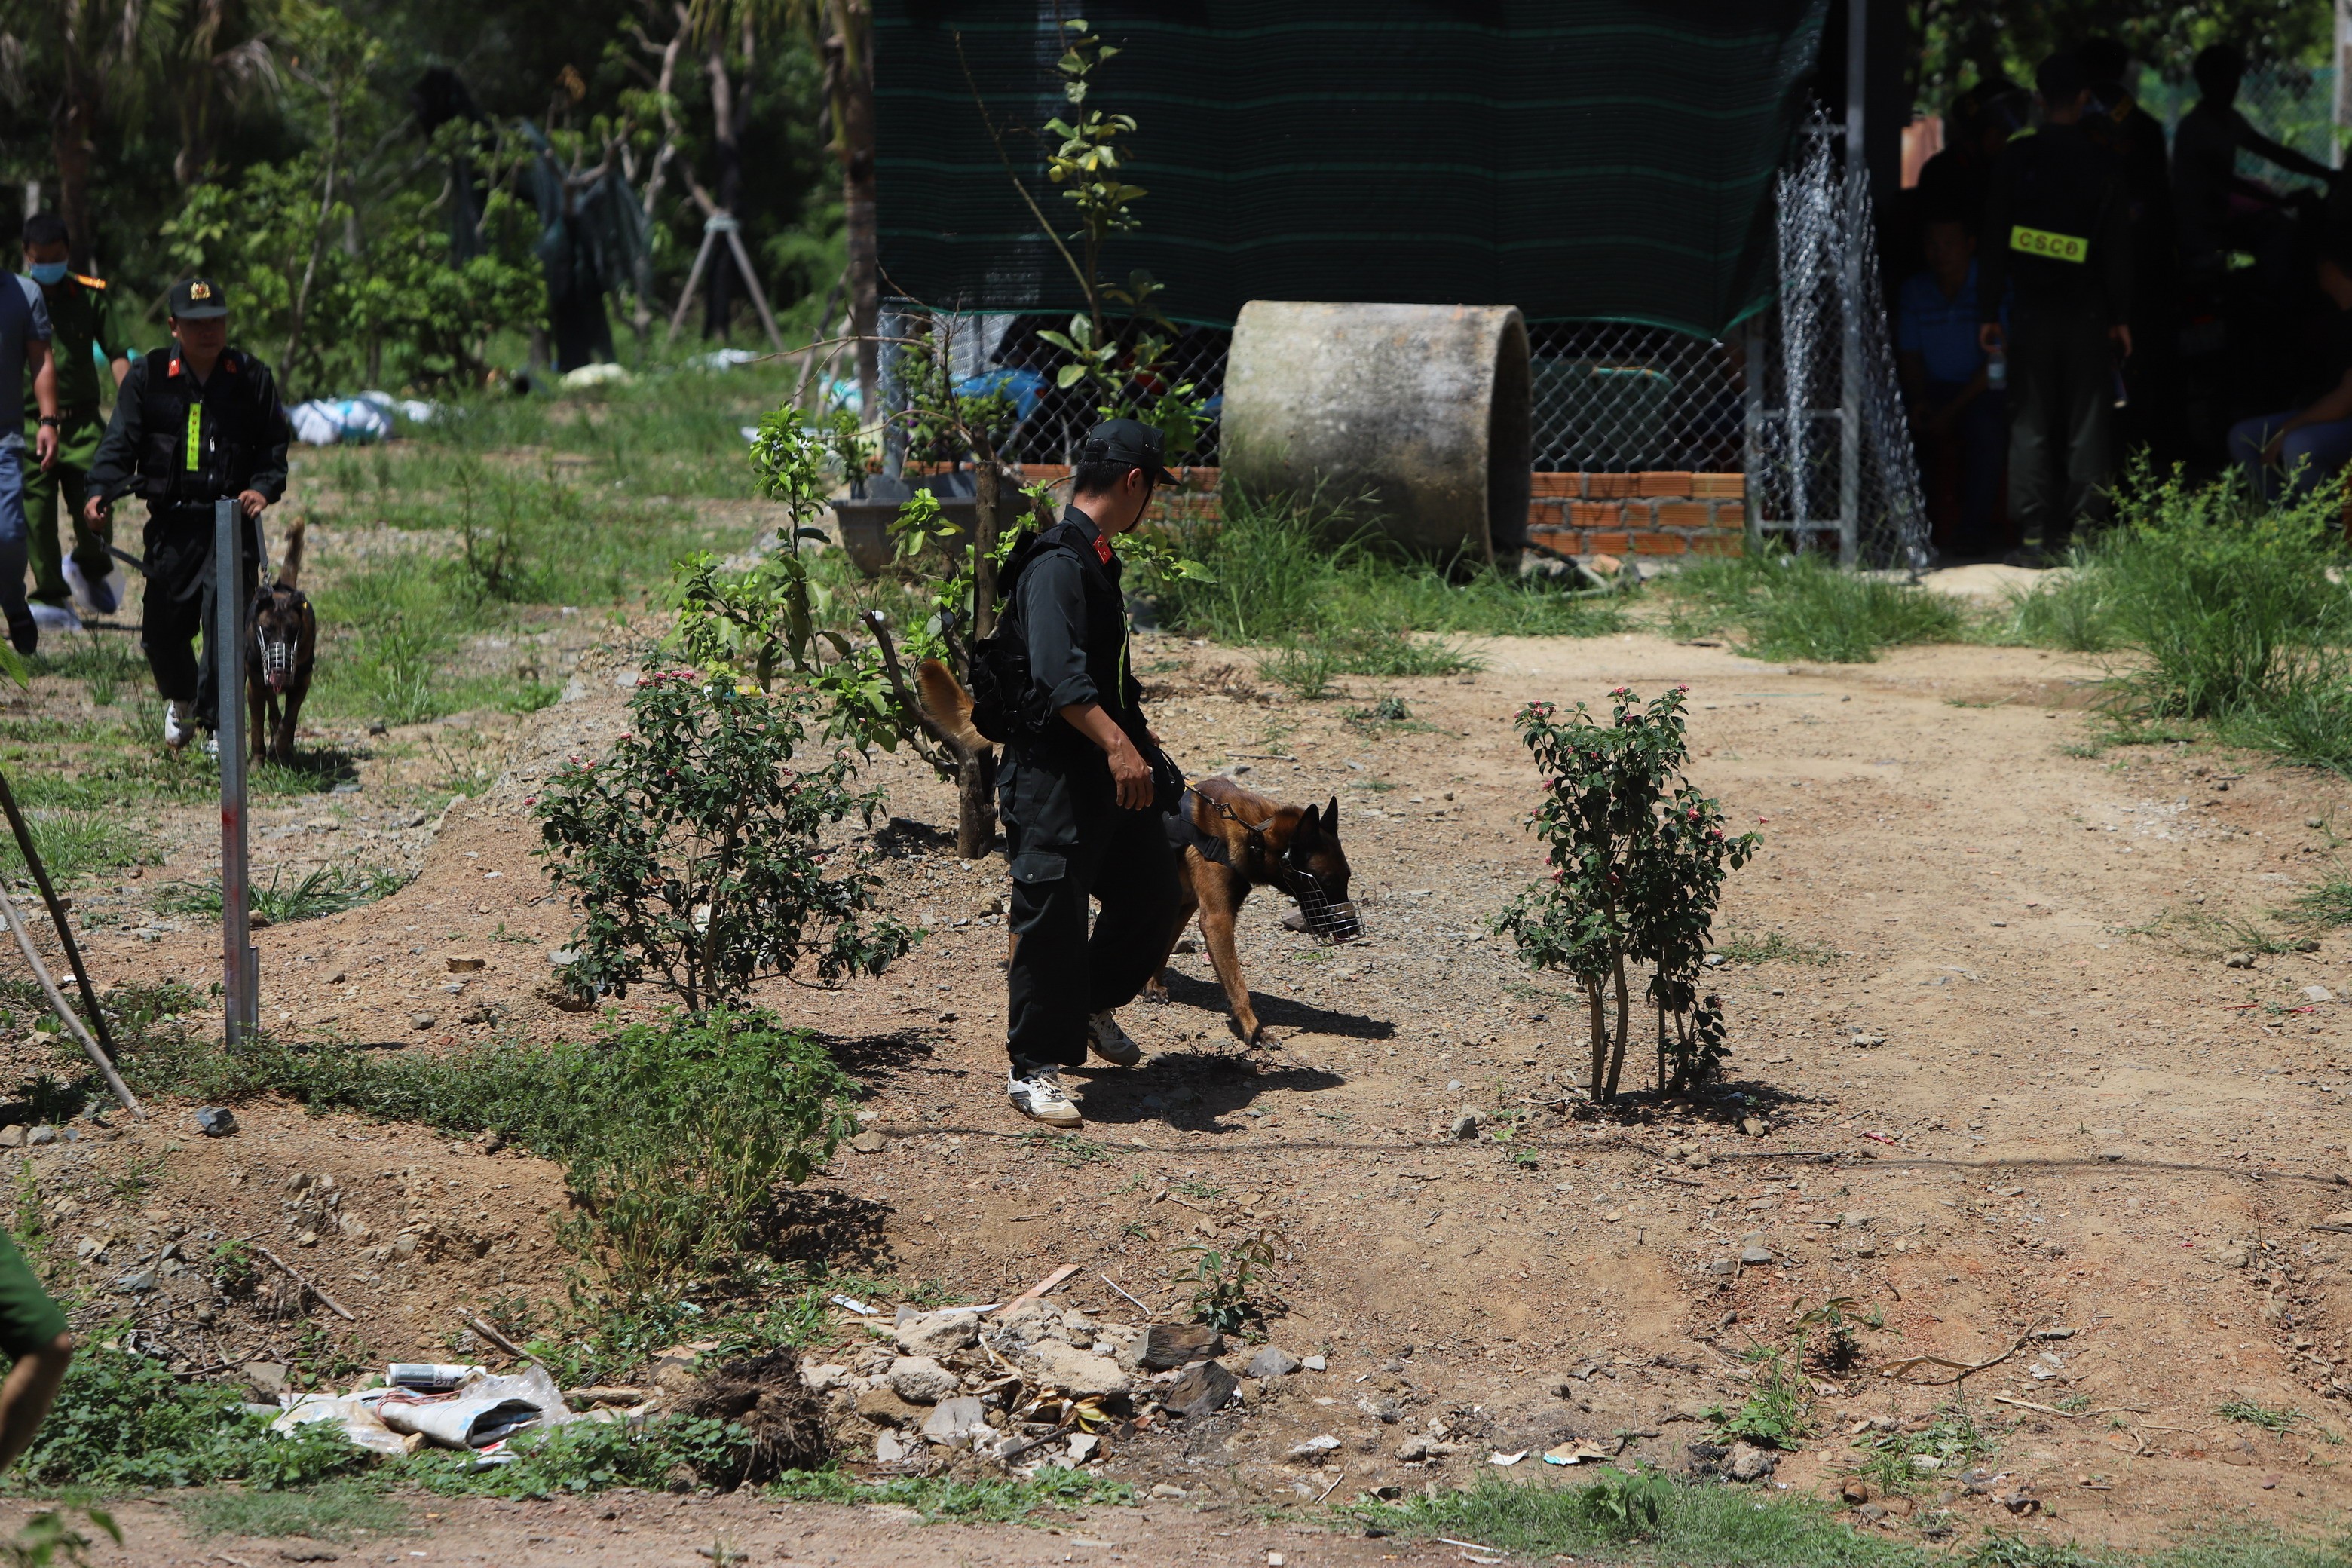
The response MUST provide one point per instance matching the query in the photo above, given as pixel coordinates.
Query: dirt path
(2070, 1125)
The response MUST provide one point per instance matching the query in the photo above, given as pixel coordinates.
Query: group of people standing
(2069, 262)
(193, 422)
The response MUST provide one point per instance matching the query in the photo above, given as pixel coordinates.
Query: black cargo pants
(2061, 405)
(179, 602)
(1068, 842)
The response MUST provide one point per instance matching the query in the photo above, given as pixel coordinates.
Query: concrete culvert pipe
(1423, 408)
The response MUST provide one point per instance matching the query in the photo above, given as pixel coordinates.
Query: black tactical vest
(201, 446)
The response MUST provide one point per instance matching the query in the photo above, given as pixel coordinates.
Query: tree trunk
(976, 804)
(1624, 1026)
(985, 482)
(726, 122)
(69, 145)
(1600, 1066)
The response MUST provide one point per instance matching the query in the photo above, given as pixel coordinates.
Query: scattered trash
(215, 1121)
(431, 1377)
(424, 1403)
(1575, 1453)
(1315, 1447)
(860, 1308)
(1506, 1459)
(605, 374)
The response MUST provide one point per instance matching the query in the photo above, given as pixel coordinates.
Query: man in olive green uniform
(81, 322)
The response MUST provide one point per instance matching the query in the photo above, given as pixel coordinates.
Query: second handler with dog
(193, 423)
(1082, 777)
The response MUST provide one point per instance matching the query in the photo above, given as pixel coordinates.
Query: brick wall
(1664, 513)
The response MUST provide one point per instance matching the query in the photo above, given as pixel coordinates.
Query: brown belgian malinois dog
(1228, 840)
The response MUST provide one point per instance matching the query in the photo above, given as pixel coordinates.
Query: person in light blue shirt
(1960, 421)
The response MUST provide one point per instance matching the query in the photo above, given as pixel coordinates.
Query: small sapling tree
(1638, 857)
(694, 853)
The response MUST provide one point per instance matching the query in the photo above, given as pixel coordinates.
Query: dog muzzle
(1327, 919)
(276, 664)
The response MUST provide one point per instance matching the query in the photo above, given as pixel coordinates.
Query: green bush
(2230, 600)
(675, 1137)
(693, 851)
(586, 1456)
(124, 1421)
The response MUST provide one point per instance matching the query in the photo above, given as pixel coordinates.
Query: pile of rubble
(1028, 1384)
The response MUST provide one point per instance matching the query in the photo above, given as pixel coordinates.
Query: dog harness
(1327, 919)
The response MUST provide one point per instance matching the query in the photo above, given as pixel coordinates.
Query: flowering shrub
(1638, 857)
(693, 853)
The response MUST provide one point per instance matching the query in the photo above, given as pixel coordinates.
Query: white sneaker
(1110, 1042)
(179, 724)
(102, 596)
(56, 617)
(1037, 1093)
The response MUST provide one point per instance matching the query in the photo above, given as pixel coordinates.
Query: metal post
(1753, 345)
(890, 326)
(240, 960)
(1849, 259)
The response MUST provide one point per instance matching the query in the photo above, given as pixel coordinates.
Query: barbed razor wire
(1830, 460)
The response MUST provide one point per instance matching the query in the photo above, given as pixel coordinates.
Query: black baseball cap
(199, 300)
(1128, 441)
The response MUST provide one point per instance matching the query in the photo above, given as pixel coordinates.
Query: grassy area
(674, 1138)
(1331, 600)
(507, 511)
(1645, 1517)
(1007, 1499)
(340, 1511)
(1802, 607)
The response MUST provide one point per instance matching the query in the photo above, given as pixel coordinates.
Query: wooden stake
(57, 913)
(58, 1002)
(324, 1299)
(496, 1338)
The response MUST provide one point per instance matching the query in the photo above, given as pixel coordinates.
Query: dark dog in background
(277, 663)
(1229, 840)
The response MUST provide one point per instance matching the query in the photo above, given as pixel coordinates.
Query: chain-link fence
(1830, 462)
(1608, 397)
(1803, 401)
(1616, 397)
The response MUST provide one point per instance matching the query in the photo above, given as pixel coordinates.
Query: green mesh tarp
(1579, 159)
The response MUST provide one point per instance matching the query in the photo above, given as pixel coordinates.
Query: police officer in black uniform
(193, 424)
(1077, 789)
(2057, 223)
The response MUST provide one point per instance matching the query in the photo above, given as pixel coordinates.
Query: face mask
(47, 272)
